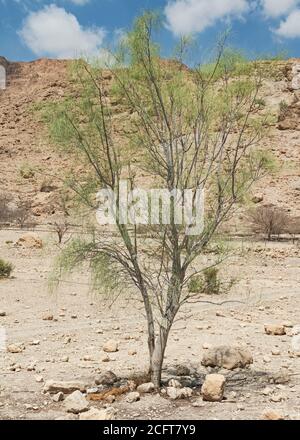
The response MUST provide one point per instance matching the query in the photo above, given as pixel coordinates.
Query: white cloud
(290, 27)
(54, 32)
(188, 16)
(80, 2)
(277, 8)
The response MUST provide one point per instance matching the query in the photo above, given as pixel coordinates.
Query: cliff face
(22, 143)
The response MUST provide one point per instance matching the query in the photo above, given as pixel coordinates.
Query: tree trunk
(157, 358)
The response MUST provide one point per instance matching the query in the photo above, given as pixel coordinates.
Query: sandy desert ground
(70, 346)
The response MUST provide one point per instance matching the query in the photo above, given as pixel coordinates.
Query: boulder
(107, 378)
(145, 388)
(257, 198)
(174, 383)
(227, 357)
(111, 346)
(15, 348)
(98, 414)
(54, 387)
(275, 329)
(58, 397)
(179, 393)
(132, 397)
(213, 388)
(76, 403)
(30, 241)
(295, 84)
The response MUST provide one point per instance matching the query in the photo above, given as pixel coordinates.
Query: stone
(15, 348)
(2, 313)
(276, 352)
(132, 397)
(280, 378)
(295, 84)
(272, 415)
(257, 198)
(48, 317)
(98, 414)
(179, 393)
(145, 388)
(39, 379)
(76, 403)
(275, 330)
(30, 241)
(58, 397)
(213, 388)
(173, 383)
(132, 352)
(227, 357)
(276, 398)
(53, 387)
(36, 342)
(107, 378)
(110, 399)
(111, 346)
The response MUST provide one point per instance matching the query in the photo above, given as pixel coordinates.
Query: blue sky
(31, 29)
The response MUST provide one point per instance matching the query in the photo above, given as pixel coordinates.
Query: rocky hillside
(29, 165)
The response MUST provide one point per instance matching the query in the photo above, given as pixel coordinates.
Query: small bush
(261, 103)
(27, 172)
(211, 281)
(268, 220)
(283, 107)
(5, 269)
(196, 284)
(207, 283)
(4, 208)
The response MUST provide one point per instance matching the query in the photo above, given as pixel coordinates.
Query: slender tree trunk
(157, 357)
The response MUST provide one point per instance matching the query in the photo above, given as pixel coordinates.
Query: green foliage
(5, 269)
(209, 283)
(78, 252)
(283, 107)
(260, 102)
(27, 171)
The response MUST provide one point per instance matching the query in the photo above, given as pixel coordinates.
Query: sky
(31, 29)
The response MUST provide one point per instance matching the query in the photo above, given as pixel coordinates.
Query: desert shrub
(283, 107)
(260, 102)
(61, 228)
(268, 220)
(27, 171)
(22, 213)
(4, 208)
(196, 284)
(207, 283)
(293, 227)
(210, 283)
(5, 269)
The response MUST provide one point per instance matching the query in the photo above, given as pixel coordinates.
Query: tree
(269, 220)
(186, 129)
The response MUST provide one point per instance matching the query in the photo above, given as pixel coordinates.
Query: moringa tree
(182, 129)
